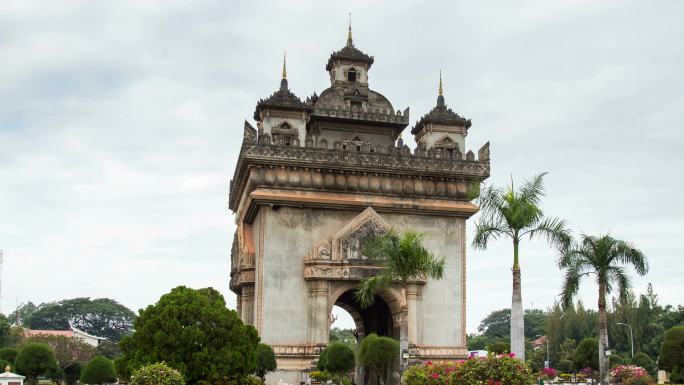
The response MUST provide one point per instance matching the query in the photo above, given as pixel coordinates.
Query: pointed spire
(349, 33)
(285, 66)
(440, 94)
(283, 81)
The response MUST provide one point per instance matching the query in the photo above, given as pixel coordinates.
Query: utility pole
(631, 336)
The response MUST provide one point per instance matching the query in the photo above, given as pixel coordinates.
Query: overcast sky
(121, 122)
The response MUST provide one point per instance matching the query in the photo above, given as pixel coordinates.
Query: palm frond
(532, 190)
(555, 231)
(628, 254)
(365, 292)
(484, 231)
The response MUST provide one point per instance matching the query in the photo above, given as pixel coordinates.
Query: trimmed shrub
(72, 373)
(586, 354)
(643, 360)
(490, 370)
(339, 359)
(9, 355)
(565, 366)
(266, 361)
(378, 352)
(672, 353)
(157, 374)
(100, 370)
(35, 360)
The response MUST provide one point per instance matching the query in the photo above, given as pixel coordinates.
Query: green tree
(35, 360)
(404, 259)
(500, 347)
(99, 370)
(497, 324)
(672, 353)
(108, 349)
(5, 325)
(157, 374)
(478, 342)
(16, 336)
(102, 317)
(9, 354)
(338, 360)
(265, 361)
(603, 257)
(517, 215)
(586, 354)
(565, 366)
(193, 332)
(378, 353)
(66, 350)
(22, 313)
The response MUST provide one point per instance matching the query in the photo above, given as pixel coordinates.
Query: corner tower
(442, 131)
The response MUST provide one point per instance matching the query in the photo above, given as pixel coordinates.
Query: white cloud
(120, 123)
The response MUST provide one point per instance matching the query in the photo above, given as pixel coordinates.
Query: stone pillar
(319, 319)
(238, 304)
(412, 295)
(247, 306)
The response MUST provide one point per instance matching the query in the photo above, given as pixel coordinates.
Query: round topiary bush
(99, 370)
(672, 353)
(586, 354)
(266, 361)
(9, 355)
(339, 359)
(643, 360)
(157, 374)
(35, 360)
(565, 366)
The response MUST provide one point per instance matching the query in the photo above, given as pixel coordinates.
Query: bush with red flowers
(502, 369)
(630, 374)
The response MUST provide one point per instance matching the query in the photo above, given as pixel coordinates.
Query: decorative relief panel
(347, 243)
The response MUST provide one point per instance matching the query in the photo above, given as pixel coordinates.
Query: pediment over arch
(347, 242)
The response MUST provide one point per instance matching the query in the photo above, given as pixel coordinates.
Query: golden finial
(349, 34)
(284, 67)
(440, 82)
(8, 369)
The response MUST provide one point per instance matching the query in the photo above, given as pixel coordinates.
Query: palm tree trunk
(403, 330)
(603, 335)
(517, 320)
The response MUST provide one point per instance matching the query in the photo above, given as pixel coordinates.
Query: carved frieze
(397, 172)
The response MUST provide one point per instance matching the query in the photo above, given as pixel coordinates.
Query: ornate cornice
(424, 352)
(397, 172)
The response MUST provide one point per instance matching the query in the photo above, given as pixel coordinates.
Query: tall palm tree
(404, 258)
(604, 257)
(516, 215)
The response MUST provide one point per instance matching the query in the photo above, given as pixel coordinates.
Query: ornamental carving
(348, 242)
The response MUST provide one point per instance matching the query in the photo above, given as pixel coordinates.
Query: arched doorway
(377, 318)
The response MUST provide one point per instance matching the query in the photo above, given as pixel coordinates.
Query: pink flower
(434, 375)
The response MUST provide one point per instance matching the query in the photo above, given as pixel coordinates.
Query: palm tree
(403, 258)
(605, 258)
(515, 215)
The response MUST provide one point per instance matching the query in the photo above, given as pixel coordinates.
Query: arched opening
(351, 75)
(349, 318)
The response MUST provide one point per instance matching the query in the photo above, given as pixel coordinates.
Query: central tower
(314, 179)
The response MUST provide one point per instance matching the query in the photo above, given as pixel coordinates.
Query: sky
(121, 122)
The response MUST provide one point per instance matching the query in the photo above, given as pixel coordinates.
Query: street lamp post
(547, 364)
(631, 336)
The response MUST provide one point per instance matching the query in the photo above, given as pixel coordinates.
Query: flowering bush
(548, 374)
(491, 370)
(624, 374)
(157, 374)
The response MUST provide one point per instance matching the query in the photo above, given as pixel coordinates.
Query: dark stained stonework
(349, 53)
(283, 99)
(441, 114)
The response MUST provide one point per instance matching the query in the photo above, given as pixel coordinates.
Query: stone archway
(381, 318)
